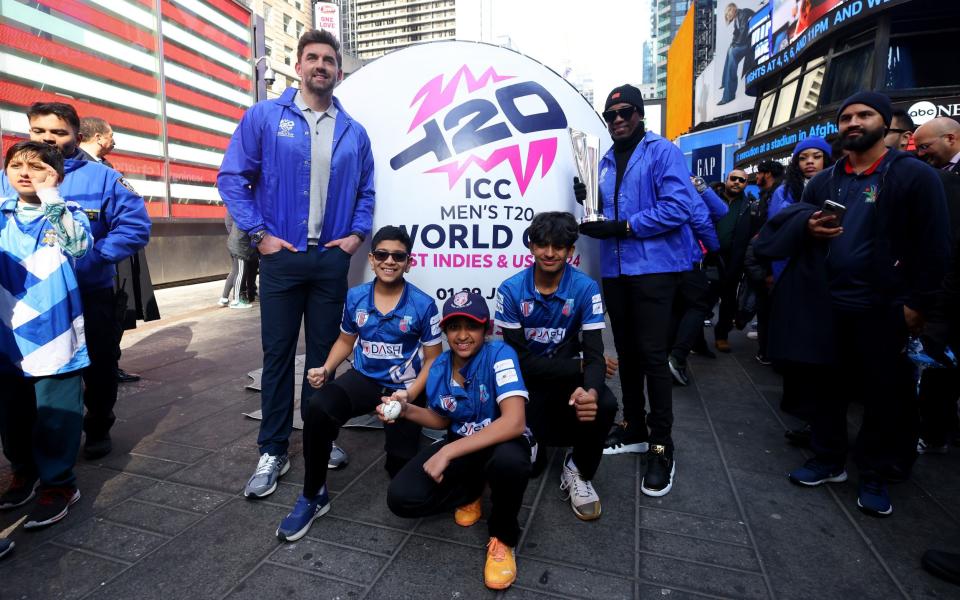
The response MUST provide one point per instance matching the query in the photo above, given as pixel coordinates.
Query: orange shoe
(468, 514)
(722, 346)
(501, 569)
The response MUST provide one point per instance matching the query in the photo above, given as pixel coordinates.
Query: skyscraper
(372, 28)
(665, 18)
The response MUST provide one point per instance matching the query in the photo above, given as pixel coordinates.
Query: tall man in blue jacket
(120, 227)
(298, 177)
(647, 243)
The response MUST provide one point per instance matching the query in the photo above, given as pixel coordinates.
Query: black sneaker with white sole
(52, 505)
(624, 439)
(661, 467)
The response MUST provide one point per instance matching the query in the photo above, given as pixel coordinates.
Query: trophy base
(594, 218)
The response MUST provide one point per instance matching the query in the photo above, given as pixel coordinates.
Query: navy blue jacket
(265, 176)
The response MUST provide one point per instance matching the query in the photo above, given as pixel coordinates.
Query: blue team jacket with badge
(265, 176)
(118, 218)
(657, 199)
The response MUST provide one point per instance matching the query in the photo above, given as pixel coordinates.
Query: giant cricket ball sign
(470, 142)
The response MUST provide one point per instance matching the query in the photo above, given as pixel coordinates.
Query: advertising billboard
(471, 142)
(326, 16)
(720, 89)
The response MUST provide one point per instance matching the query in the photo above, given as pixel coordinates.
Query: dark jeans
(295, 286)
(350, 395)
(874, 370)
(731, 65)
(939, 389)
(640, 310)
(505, 466)
(102, 329)
(691, 307)
(800, 388)
(40, 425)
(554, 422)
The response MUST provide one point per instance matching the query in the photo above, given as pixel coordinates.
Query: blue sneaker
(873, 499)
(296, 525)
(814, 473)
(5, 546)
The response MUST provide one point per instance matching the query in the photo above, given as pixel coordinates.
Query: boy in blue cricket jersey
(392, 329)
(476, 392)
(551, 313)
(42, 344)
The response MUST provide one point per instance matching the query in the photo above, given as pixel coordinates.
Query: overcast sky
(602, 39)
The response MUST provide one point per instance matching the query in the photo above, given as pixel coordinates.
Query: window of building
(763, 114)
(848, 74)
(916, 61)
(288, 55)
(267, 12)
(810, 89)
(299, 30)
(788, 93)
(288, 24)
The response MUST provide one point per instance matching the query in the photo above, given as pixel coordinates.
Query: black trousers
(554, 422)
(640, 311)
(727, 295)
(800, 388)
(691, 307)
(350, 395)
(103, 330)
(505, 466)
(939, 390)
(764, 304)
(874, 370)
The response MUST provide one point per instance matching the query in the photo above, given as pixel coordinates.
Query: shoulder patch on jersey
(506, 363)
(595, 298)
(435, 319)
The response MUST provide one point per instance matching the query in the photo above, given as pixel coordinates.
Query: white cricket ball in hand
(391, 410)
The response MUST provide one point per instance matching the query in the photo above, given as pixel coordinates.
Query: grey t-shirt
(321, 149)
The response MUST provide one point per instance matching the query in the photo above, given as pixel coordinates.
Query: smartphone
(834, 209)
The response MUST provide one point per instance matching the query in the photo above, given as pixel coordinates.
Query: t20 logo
(477, 122)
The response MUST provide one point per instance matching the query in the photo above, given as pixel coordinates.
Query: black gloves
(602, 230)
(579, 190)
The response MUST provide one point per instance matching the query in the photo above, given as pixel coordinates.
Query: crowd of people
(844, 258)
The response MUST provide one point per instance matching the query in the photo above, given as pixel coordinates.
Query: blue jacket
(781, 199)
(118, 218)
(265, 176)
(715, 204)
(657, 198)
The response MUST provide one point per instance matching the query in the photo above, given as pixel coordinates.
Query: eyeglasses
(925, 147)
(624, 113)
(382, 255)
(737, 179)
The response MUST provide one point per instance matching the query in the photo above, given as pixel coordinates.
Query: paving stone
(183, 497)
(103, 537)
(720, 554)
(54, 573)
(569, 580)
(215, 431)
(142, 465)
(205, 564)
(443, 526)
(373, 539)
(321, 557)
(167, 451)
(793, 525)
(700, 485)
(426, 568)
(272, 581)
(150, 517)
(556, 534)
(693, 576)
(753, 440)
(367, 502)
(722, 530)
(225, 471)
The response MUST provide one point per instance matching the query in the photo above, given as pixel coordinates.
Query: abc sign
(921, 112)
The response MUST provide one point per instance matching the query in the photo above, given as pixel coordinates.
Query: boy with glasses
(392, 328)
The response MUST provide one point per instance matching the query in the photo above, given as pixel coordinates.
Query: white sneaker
(242, 304)
(925, 448)
(752, 335)
(223, 301)
(583, 498)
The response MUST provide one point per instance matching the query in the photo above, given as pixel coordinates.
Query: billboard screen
(720, 89)
(327, 16)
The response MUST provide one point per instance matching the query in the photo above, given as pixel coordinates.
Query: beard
(868, 138)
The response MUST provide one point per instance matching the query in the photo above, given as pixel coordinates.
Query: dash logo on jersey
(474, 119)
(381, 350)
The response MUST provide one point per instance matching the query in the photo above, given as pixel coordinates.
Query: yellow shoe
(501, 569)
(468, 514)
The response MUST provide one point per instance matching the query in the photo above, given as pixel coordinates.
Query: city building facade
(665, 18)
(372, 28)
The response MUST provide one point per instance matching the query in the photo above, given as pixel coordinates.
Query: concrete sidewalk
(163, 515)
